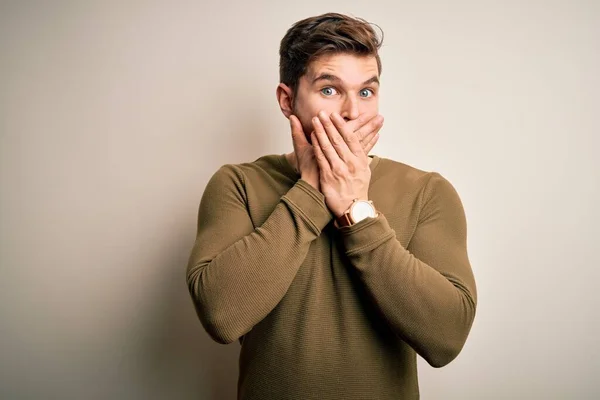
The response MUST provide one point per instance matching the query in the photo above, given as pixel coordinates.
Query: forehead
(349, 68)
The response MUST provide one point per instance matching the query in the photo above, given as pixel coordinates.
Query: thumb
(298, 136)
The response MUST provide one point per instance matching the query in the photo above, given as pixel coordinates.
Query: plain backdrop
(114, 115)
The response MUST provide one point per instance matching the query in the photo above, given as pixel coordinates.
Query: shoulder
(241, 174)
(397, 173)
(430, 185)
(266, 164)
(226, 175)
(387, 168)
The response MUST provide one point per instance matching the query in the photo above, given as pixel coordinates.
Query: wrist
(338, 212)
(347, 204)
(358, 210)
(311, 180)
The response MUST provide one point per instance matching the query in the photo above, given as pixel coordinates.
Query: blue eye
(328, 91)
(366, 93)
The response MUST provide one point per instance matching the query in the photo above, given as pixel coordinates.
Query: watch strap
(346, 219)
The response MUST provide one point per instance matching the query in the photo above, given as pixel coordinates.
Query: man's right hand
(365, 126)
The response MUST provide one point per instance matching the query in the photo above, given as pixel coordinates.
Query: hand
(366, 127)
(304, 154)
(344, 172)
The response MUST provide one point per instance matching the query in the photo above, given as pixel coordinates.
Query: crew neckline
(290, 171)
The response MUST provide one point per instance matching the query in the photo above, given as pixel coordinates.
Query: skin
(335, 122)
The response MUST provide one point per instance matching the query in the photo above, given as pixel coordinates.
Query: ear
(284, 98)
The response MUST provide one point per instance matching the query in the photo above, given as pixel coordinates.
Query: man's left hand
(343, 164)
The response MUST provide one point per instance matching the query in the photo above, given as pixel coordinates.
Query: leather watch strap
(344, 220)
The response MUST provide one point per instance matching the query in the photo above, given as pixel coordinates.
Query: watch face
(361, 210)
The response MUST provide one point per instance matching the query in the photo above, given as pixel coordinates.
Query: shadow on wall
(180, 359)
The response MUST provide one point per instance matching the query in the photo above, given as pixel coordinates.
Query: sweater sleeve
(237, 273)
(426, 291)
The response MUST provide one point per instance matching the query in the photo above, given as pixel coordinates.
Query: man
(331, 267)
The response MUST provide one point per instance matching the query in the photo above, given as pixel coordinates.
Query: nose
(350, 108)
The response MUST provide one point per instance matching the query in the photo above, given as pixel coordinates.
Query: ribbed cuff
(366, 234)
(310, 203)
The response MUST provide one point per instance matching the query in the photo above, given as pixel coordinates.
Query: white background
(113, 116)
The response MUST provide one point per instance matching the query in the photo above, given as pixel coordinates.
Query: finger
(356, 124)
(373, 125)
(324, 144)
(369, 146)
(322, 161)
(335, 137)
(365, 141)
(369, 136)
(348, 135)
(298, 137)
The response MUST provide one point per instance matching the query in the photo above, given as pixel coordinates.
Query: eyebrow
(333, 78)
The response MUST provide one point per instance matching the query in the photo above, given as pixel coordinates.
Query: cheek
(370, 107)
(305, 111)
(372, 104)
(307, 126)
(306, 120)
(309, 106)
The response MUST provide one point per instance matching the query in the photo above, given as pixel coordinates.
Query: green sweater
(323, 313)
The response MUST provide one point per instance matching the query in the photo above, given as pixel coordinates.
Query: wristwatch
(359, 210)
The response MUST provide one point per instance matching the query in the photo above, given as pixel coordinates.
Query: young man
(331, 267)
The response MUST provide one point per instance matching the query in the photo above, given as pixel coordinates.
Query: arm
(427, 291)
(237, 274)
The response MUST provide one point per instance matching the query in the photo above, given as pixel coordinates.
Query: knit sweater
(326, 313)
